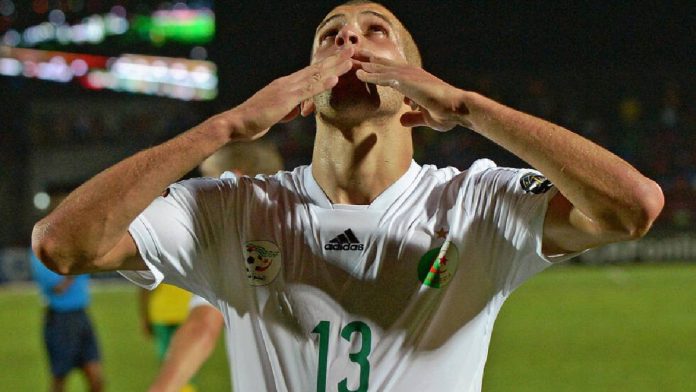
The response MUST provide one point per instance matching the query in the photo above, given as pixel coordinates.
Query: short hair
(252, 158)
(411, 51)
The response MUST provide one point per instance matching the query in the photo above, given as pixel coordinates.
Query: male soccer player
(363, 271)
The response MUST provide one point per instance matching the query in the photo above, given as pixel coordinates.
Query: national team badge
(437, 266)
(262, 262)
(535, 183)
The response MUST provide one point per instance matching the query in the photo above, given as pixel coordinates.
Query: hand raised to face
(435, 103)
(279, 101)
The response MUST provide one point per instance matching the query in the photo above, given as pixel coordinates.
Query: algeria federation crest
(437, 266)
(262, 262)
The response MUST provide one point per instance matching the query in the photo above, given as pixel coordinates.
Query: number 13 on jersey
(323, 329)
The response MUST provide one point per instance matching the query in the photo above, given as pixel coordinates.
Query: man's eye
(377, 29)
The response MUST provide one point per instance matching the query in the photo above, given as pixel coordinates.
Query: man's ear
(307, 107)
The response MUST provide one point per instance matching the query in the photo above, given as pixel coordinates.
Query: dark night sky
(260, 41)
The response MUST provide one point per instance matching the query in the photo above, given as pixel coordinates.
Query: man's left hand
(435, 103)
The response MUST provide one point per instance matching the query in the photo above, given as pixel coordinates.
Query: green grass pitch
(572, 328)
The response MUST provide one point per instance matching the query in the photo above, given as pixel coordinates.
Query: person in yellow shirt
(162, 311)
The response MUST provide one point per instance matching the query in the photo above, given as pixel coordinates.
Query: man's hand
(435, 103)
(279, 101)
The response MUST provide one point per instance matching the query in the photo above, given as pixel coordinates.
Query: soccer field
(572, 328)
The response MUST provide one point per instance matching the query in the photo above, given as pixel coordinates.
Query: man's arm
(602, 198)
(191, 346)
(89, 230)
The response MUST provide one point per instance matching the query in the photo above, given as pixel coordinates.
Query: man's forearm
(90, 223)
(191, 346)
(600, 184)
(96, 216)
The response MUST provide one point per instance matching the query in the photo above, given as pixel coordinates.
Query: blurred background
(85, 83)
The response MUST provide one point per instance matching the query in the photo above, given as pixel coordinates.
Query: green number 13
(360, 357)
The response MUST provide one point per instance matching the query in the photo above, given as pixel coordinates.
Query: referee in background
(68, 334)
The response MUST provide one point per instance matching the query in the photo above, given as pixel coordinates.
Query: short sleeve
(197, 301)
(178, 235)
(511, 205)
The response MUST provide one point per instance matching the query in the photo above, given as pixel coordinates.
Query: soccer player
(162, 311)
(195, 339)
(363, 271)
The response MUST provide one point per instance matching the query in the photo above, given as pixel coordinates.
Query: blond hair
(257, 157)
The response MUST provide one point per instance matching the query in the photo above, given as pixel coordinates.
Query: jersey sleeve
(511, 205)
(179, 234)
(197, 301)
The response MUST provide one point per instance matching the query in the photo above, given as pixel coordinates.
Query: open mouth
(349, 83)
(361, 57)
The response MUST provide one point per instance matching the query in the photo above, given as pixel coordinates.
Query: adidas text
(333, 246)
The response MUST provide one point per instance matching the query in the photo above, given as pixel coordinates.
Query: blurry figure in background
(68, 334)
(162, 311)
(679, 210)
(632, 124)
(257, 157)
(196, 338)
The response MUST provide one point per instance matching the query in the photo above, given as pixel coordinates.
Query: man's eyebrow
(374, 13)
(329, 19)
(377, 14)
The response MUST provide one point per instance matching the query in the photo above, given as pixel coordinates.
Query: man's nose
(347, 37)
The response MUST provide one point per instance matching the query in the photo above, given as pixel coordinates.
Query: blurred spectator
(631, 129)
(162, 311)
(680, 204)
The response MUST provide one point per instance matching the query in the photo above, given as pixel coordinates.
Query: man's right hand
(279, 101)
(88, 232)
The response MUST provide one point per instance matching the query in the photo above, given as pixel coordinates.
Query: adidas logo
(345, 241)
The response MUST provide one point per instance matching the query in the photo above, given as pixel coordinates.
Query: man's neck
(354, 165)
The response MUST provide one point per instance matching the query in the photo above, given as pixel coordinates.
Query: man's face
(366, 27)
(373, 31)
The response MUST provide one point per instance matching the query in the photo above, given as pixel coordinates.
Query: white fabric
(197, 301)
(260, 250)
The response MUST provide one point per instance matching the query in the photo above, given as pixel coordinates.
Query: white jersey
(398, 295)
(197, 301)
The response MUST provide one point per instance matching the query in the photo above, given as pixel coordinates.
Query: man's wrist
(476, 110)
(462, 108)
(223, 128)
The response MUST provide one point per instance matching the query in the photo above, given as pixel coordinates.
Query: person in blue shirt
(68, 334)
